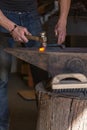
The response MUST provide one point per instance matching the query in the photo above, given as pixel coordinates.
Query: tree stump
(60, 113)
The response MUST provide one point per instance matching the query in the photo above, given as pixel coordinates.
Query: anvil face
(54, 60)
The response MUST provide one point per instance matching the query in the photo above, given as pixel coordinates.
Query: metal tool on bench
(69, 81)
(70, 84)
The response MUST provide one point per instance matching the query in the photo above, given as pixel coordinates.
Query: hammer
(42, 38)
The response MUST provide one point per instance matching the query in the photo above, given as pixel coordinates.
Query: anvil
(55, 60)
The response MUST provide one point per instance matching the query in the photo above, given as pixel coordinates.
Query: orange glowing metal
(41, 49)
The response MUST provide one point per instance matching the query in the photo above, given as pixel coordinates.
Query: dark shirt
(18, 5)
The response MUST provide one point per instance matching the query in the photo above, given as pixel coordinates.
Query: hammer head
(44, 39)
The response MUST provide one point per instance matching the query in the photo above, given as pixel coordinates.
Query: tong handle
(62, 46)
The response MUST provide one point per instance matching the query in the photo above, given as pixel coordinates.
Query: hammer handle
(29, 37)
(36, 38)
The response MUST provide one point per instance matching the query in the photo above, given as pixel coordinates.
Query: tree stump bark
(60, 113)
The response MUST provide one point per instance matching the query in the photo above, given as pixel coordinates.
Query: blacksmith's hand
(60, 31)
(19, 34)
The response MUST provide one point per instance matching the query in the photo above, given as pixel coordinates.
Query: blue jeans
(31, 21)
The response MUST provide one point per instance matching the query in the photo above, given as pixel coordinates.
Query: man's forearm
(60, 28)
(18, 32)
(64, 6)
(5, 22)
